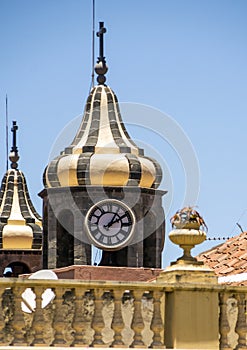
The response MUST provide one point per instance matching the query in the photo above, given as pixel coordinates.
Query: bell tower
(102, 190)
(20, 224)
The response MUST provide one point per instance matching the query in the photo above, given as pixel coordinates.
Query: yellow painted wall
(192, 320)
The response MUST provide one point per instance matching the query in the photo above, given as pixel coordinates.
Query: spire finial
(14, 156)
(101, 67)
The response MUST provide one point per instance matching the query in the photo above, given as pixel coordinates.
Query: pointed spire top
(14, 156)
(101, 67)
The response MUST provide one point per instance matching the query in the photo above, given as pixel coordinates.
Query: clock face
(110, 224)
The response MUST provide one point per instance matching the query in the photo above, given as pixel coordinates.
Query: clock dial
(110, 224)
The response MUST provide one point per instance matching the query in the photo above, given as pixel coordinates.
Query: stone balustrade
(111, 314)
(232, 318)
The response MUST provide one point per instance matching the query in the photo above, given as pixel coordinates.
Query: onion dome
(102, 152)
(20, 224)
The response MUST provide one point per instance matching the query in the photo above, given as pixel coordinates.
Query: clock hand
(117, 220)
(110, 223)
(113, 222)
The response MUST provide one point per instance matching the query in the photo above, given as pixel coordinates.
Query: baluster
(78, 322)
(117, 320)
(223, 322)
(18, 322)
(157, 324)
(98, 321)
(137, 323)
(58, 321)
(2, 322)
(241, 327)
(38, 318)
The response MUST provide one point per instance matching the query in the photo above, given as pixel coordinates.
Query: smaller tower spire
(14, 156)
(101, 67)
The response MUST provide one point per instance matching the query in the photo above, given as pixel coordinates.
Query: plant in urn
(188, 230)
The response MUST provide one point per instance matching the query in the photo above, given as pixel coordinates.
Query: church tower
(102, 191)
(20, 224)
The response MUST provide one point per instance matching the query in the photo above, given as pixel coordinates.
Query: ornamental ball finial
(101, 68)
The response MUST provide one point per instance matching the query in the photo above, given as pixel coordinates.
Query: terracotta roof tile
(244, 256)
(221, 270)
(222, 257)
(227, 270)
(233, 262)
(242, 265)
(229, 257)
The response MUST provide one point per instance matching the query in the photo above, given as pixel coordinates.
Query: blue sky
(186, 58)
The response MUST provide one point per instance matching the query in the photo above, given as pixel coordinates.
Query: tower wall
(149, 233)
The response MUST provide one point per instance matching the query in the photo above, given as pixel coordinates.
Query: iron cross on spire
(13, 156)
(101, 67)
(100, 34)
(14, 129)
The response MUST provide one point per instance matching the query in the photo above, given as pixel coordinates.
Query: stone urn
(189, 230)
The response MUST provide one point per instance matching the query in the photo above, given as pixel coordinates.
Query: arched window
(150, 241)
(65, 239)
(18, 268)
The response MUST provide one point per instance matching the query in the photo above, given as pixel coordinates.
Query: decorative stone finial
(189, 231)
(14, 156)
(101, 67)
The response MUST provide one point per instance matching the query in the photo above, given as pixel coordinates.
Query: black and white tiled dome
(102, 152)
(20, 224)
